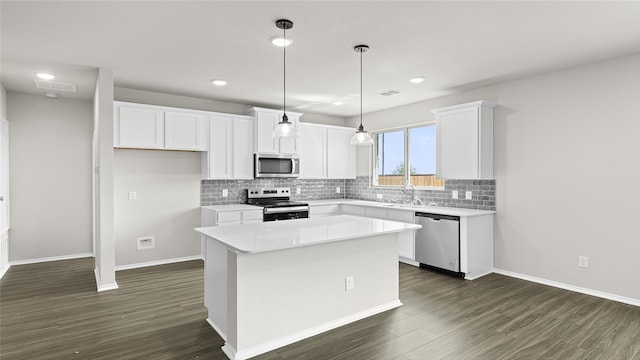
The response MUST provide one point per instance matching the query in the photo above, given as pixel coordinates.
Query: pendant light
(361, 137)
(284, 129)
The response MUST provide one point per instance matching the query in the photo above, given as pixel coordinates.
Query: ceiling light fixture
(219, 82)
(51, 95)
(280, 41)
(45, 76)
(284, 129)
(337, 103)
(417, 80)
(361, 137)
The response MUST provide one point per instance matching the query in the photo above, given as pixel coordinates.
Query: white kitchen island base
(260, 301)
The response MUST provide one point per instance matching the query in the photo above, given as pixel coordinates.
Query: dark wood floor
(52, 311)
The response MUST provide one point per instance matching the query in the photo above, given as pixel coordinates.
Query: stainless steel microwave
(276, 165)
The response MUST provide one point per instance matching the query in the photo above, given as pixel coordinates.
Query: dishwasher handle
(438, 217)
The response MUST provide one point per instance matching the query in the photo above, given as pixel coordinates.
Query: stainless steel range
(277, 205)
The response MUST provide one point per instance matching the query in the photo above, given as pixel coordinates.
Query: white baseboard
(157, 262)
(408, 261)
(574, 288)
(103, 287)
(4, 269)
(217, 329)
(234, 354)
(53, 258)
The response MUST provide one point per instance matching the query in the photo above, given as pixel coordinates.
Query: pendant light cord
(284, 72)
(361, 88)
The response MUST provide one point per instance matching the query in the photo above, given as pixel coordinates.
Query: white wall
(50, 155)
(167, 207)
(4, 235)
(567, 167)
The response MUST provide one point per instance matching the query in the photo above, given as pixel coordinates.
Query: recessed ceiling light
(417, 80)
(219, 82)
(51, 95)
(280, 41)
(45, 76)
(337, 103)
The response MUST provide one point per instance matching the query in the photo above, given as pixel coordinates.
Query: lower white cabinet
(406, 244)
(349, 209)
(230, 154)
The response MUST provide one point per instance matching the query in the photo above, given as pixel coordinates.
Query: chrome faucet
(415, 200)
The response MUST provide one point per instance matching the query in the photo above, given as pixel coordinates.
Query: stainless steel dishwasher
(438, 243)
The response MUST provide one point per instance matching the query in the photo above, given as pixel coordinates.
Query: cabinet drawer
(376, 213)
(321, 210)
(401, 215)
(248, 215)
(352, 210)
(229, 216)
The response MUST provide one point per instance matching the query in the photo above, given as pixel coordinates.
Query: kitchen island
(274, 283)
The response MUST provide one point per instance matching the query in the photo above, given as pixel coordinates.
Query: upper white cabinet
(156, 127)
(184, 131)
(465, 141)
(230, 154)
(341, 154)
(138, 127)
(265, 121)
(312, 151)
(326, 152)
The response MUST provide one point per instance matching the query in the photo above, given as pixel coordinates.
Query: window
(415, 146)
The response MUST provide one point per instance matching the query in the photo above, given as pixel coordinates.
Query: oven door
(276, 165)
(285, 213)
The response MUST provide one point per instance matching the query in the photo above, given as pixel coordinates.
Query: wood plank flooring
(52, 311)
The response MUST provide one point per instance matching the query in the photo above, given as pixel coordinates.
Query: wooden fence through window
(416, 180)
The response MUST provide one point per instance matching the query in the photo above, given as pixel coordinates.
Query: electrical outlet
(583, 262)
(378, 196)
(298, 191)
(225, 192)
(468, 195)
(133, 195)
(146, 242)
(454, 194)
(348, 283)
(337, 189)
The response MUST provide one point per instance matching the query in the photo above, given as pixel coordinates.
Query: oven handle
(285, 209)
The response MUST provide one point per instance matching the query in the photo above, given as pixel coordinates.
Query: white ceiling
(176, 47)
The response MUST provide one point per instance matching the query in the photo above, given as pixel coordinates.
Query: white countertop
(442, 210)
(232, 207)
(279, 235)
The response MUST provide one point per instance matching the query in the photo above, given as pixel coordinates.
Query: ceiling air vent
(55, 86)
(389, 93)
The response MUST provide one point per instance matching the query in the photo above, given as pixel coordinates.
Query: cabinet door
(457, 146)
(183, 131)
(220, 154)
(341, 154)
(406, 240)
(312, 151)
(242, 148)
(138, 127)
(265, 123)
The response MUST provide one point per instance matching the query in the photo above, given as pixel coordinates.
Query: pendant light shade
(284, 129)
(361, 137)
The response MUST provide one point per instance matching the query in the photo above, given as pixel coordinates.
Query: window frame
(407, 171)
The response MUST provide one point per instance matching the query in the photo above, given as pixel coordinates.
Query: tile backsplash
(483, 191)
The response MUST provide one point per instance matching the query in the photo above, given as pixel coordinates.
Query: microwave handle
(293, 166)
